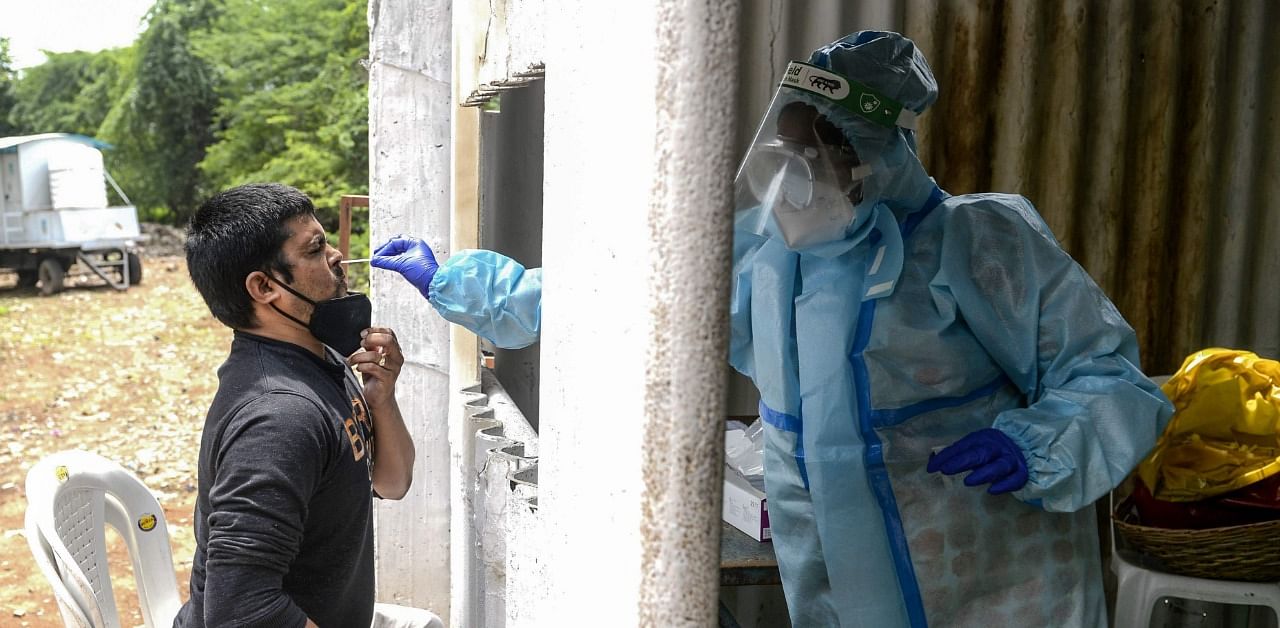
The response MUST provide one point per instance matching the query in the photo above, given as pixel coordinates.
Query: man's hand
(378, 363)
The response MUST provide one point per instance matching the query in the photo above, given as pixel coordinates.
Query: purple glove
(992, 456)
(410, 257)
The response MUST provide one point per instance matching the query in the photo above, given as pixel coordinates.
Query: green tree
(8, 76)
(294, 97)
(163, 123)
(215, 93)
(71, 92)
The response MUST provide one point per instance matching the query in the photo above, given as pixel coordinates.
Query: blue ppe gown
(865, 369)
(870, 353)
(490, 294)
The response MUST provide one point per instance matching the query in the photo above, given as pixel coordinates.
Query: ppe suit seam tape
(875, 265)
(913, 221)
(889, 418)
(908, 584)
(779, 420)
(879, 288)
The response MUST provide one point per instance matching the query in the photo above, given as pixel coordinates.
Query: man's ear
(261, 288)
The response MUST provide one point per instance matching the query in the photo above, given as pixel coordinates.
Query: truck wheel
(28, 278)
(51, 276)
(135, 269)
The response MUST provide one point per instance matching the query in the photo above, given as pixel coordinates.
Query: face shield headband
(848, 94)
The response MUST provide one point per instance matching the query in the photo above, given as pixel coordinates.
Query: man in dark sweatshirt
(294, 446)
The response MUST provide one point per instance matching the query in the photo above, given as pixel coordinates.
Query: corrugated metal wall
(1146, 132)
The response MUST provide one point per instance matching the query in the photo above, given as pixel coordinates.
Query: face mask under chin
(336, 322)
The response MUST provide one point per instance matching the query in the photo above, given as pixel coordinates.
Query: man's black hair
(235, 233)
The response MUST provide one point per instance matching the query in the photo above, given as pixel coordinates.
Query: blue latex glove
(410, 257)
(993, 457)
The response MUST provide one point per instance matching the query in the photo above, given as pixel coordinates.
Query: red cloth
(1254, 503)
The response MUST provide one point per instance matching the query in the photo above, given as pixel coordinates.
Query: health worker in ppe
(899, 335)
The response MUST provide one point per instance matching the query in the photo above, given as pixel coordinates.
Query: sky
(67, 25)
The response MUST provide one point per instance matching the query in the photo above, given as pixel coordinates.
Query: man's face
(314, 264)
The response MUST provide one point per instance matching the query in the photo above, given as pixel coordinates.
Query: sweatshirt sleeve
(270, 460)
(491, 295)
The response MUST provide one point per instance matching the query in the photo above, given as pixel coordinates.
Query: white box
(745, 507)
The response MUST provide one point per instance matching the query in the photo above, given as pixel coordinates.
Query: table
(744, 560)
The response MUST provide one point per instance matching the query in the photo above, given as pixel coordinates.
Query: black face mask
(335, 322)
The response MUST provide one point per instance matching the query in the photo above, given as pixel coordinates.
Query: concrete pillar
(410, 109)
(689, 226)
(639, 127)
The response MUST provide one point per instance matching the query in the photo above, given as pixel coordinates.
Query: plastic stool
(1138, 589)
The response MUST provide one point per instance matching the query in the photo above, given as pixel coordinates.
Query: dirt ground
(128, 375)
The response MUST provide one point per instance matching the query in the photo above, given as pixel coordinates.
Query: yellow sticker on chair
(147, 523)
(62, 473)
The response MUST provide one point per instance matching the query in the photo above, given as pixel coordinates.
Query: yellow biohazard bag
(1225, 430)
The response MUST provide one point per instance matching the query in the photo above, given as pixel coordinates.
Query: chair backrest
(71, 497)
(73, 614)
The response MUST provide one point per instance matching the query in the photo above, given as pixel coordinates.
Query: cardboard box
(745, 507)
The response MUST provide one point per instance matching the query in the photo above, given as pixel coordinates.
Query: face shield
(809, 174)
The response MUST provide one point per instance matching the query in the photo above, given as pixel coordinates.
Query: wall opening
(511, 143)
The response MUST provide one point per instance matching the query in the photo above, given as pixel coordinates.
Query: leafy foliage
(293, 97)
(162, 125)
(68, 93)
(7, 100)
(216, 93)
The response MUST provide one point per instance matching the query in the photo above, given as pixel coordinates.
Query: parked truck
(54, 213)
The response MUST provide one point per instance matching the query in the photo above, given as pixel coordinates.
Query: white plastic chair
(1139, 588)
(71, 496)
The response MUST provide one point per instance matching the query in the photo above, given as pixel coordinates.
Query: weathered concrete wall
(636, 246)
(688, 289)
(600, 133)
(636, 250)
(409, 114)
